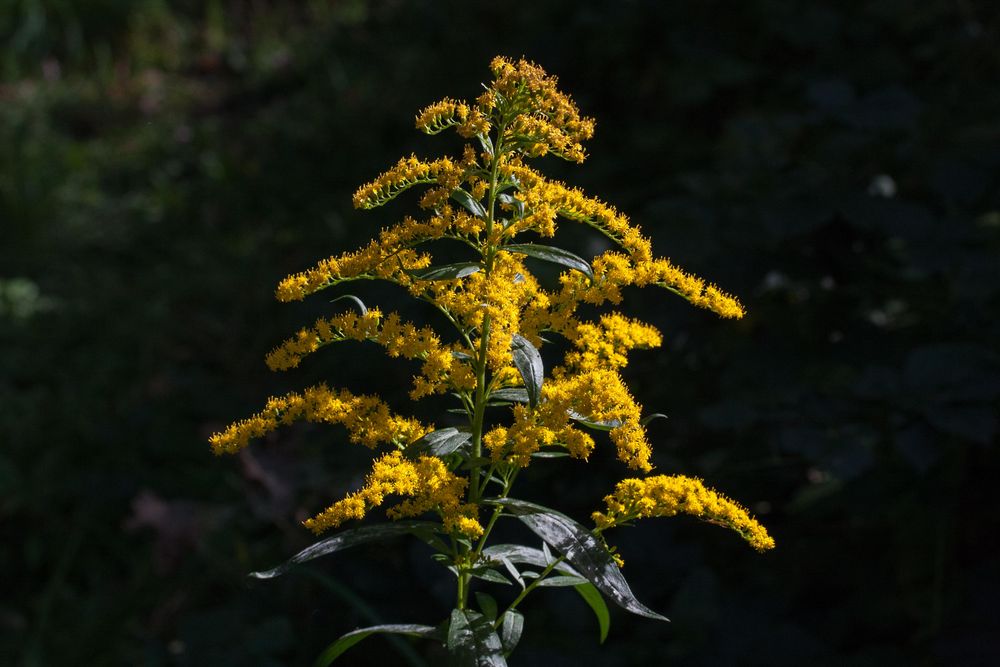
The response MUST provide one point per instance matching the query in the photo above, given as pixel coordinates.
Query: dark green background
(834, 163)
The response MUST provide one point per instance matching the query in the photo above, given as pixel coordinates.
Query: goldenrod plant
(450, 486)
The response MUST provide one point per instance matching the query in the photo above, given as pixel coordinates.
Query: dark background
(834, 163)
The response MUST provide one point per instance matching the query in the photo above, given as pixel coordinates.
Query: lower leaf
(339, 647)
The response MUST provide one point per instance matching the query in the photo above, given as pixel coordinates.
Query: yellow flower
(427, 484)
(367, 419)
(606, 344)
(669, 495)
(599, 395)
(405, 174)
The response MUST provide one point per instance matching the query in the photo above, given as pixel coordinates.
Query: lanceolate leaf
(517, 553)
(469, 202)
(441, 442)
(562, 581)
(580, 548)
(513, 201)
(596, 602)
(361, 304)
(593, 423)
(512, 394)
(474, 642)
(487, 604)
(529, 363)
(337, 648)
(648, 418)
(445, 271)
(554, 255)
(511, 628)
(349, 538)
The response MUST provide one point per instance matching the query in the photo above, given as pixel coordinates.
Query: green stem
(479, 412)
(530, 587)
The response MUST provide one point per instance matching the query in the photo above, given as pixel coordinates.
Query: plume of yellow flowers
(499, 316)
(670, 495)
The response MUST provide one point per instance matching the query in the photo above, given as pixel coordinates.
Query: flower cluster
(441, 370)
(427, 483)
(669, 495)
(502, 318)
(367, 419)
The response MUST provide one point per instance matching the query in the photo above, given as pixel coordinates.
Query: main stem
(479, 413)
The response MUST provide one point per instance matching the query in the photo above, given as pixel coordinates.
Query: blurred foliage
(834, 163)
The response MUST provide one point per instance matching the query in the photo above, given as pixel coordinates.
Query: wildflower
(669, 495)
(427, 485)
(367, 419)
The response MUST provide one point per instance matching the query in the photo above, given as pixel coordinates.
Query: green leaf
(445, 271)
(487, 604)
(517, 553)
(594, 424)
(511, 628)
(513, 201)
(485, 142)
(553, 255)
(361, 304)
(580, 548)
(491, 575)
(439, 443)
(512, 394)
(529, 364)
(476, 461)
(514, 572)
(565, 580)
(596, 601)
(550, 455)
(469, 202)
(656, 415)
(346, 539)
(337, 648)
(472, 639)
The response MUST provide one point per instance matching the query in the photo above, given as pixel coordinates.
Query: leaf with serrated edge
(339, 647)
(346, 539)
(552, 254)
(580, 548)
(529, 364)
